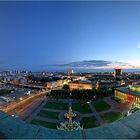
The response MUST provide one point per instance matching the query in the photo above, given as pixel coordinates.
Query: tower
(117, 72)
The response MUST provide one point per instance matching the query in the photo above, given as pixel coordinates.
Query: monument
(70, 125)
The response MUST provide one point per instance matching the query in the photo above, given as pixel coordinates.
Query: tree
(66, 87)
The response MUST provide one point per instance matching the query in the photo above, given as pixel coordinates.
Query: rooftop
(128, 90)
(14, 128)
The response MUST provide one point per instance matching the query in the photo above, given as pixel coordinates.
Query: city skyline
(40, 34)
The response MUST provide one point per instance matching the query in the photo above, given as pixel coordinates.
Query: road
(25, 111)
(22, 104)
(25, 107)
(14, 96)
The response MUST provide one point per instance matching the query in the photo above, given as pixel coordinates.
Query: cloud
(88, 63)
(138, 46)
(97, 64)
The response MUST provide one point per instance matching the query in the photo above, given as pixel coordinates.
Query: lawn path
(47, 119)
(113, 104)
(53, 110)
(70, 102)
(96, 114)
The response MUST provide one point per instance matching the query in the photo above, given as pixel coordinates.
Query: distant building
(57, 84)
(80, 85)
(97, 77)
(129, 94)
(75, 78)
(102, 84)
(71, 72)
(63, 82)
(117, 72)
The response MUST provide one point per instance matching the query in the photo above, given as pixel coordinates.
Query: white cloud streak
(138, 46)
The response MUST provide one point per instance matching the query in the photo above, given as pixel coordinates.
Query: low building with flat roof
(129, 94)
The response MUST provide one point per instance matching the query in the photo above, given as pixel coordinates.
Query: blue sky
(35, 34)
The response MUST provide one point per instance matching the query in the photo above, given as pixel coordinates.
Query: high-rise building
(117, 72)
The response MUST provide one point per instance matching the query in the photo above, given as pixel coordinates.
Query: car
(5, 99)
(28, 93)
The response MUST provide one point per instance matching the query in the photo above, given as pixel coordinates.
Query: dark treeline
(42, 79)
(80, 94)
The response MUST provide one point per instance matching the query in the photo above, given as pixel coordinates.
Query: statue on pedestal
(70, 125)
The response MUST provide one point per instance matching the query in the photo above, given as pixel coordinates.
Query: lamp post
(70, 95)
(15, 114)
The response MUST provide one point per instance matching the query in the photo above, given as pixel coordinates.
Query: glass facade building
(128, 94)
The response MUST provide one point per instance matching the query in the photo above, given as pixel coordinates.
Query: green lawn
(111, 116)
(101, 105)
(89, 122)
(53, 105)
(81, 107)
(48, 114)
(44, 123)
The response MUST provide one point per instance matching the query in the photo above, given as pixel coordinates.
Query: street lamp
(70, 95)
(15, 114)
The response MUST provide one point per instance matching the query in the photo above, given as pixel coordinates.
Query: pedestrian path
(112, 103)
(96, 114)
(47, 119)
(70, 102)
(53, 110)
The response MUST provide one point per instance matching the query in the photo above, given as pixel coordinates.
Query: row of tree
(62, 93)
(42, 79)
(65, 93)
